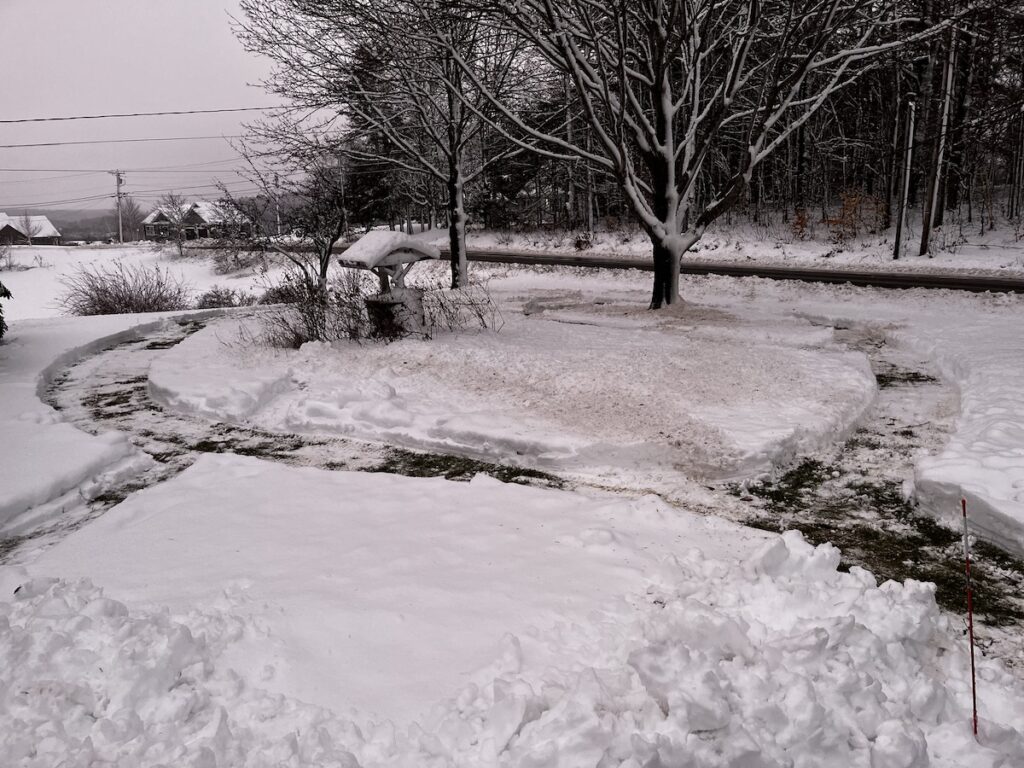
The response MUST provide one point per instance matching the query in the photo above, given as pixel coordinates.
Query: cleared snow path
(99, 396)
(55, 467)
(855, 496)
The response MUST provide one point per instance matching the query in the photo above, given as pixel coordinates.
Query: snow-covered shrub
(4, 294)
(224, 297)
(309, 314)
(584, 240)
(228, 260)
(121, 288)
(459, 309)
(284, 292)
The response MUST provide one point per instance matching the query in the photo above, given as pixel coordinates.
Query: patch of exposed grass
(413, 464)
(8, 545)
(901, 555)
(878, 529)
(895, 377)
(793, 488)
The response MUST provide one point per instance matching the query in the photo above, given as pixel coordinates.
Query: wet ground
(856, 496)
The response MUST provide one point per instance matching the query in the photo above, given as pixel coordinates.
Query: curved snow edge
(115, 455)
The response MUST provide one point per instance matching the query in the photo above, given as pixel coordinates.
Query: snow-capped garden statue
(397, 310)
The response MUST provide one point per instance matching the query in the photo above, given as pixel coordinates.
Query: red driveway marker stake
(970, 616)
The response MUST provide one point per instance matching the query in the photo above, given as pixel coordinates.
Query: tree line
(667, 114)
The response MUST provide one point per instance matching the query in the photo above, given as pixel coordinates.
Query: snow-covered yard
(251, 613)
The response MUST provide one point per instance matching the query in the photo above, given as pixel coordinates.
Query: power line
(54, 170)
(114, 141)
(41, 203)
(161, 168)
(135, 114)
(50, 178)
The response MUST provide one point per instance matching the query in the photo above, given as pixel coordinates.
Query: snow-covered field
(37, 288)
(250, 613)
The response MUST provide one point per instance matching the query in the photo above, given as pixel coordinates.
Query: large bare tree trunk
(457, 230)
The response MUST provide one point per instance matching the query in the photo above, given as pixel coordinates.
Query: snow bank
(781, 662)
(591, 392)
(50, 458)
(984, 460)
(371, 590)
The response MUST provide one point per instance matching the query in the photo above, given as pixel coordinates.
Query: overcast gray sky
(83, 57)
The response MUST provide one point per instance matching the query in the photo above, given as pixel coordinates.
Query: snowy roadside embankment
(984, 460)
(592, 392)
(780, 660)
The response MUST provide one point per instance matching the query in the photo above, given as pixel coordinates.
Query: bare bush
(4, 294)
(228, 260)
(122, 289)
(459, 309)
(309, 314)
(306, 315)
(224, 297)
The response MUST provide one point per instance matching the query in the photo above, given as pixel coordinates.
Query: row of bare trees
(670, 113)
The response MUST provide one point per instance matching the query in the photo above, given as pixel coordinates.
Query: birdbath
(397, 309)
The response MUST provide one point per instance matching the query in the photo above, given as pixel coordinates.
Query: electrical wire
(50, 178)
(55, 202)
(114, 141)
(135, 114)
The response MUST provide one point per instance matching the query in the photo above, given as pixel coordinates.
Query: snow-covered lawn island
(249, 613)
(620, 394)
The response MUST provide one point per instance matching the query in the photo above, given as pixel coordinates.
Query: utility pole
(277, 202)
(119, 177)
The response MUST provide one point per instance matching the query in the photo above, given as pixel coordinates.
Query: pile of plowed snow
(783, 661)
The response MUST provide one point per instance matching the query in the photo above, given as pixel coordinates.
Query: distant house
(37, 230)
(198, 220)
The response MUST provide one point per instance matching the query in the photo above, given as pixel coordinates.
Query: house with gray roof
(27, 230)
(197, 220)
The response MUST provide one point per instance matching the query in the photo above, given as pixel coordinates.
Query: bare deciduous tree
(667, 86)
(374, 66)
(29, 227)
(131, 218)
(175, 208)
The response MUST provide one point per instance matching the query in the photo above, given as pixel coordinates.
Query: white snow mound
(782, 662)
(596, 398)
